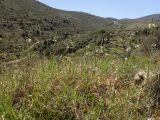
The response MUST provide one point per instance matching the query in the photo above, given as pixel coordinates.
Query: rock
(150, 118)
(140, 76)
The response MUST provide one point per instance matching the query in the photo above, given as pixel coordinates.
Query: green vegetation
(75, 88)
(61, 65)
(21, 21)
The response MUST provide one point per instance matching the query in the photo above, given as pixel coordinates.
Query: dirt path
(32, 46)
(12, 62)
(24, 51)
(22, 59)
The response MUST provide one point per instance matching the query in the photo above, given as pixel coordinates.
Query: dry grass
(87, 88)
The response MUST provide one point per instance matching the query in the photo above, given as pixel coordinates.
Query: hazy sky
(109, 8)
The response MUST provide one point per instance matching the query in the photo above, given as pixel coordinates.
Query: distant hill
(156, 18)
(140, 22)
(92, 20)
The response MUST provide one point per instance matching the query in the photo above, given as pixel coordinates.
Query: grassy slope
(74, 88)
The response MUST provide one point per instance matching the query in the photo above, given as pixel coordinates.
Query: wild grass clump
(153, 90)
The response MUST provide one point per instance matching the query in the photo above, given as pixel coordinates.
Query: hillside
(35, 9)
(25, 19)
(29, 20)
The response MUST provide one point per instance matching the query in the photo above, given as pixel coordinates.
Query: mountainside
(14, 13)
(35, 12)
(25, 23)
(29, 19)
(33, 8)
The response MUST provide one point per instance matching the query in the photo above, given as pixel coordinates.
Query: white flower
(101, 47)
(29, 40)
(87, 53)
(151, 25)
(105, 39)
(136, 46)
(87, 46)
(55, 40)
(125, 58)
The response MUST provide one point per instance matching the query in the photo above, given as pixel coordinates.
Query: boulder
(140, 76)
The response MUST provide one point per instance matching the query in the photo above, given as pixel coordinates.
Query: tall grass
(81, 88)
